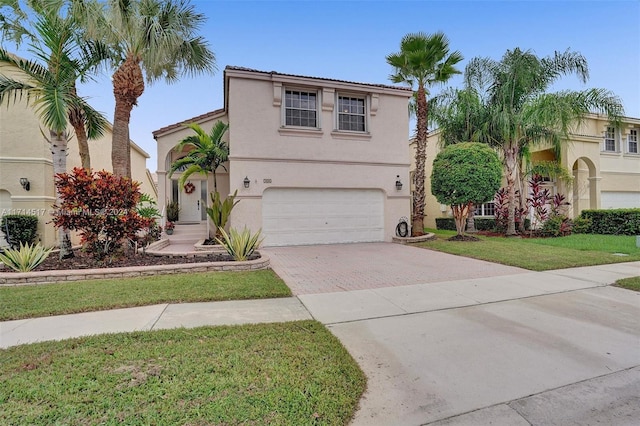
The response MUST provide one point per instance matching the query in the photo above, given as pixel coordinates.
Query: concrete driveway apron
(447, 340)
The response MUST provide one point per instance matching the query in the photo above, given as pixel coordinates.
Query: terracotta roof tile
(189, 120)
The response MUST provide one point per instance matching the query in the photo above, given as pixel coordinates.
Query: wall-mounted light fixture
(25, 183)
(398, 183)
(246, 182)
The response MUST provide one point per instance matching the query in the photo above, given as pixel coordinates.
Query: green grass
(83, 296)
(629, 283)
(541, 254)
(294, 373)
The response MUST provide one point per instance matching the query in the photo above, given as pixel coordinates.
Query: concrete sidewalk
(154, 317)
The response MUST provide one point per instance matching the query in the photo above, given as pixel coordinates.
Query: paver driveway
(346, 267)
(446, 340)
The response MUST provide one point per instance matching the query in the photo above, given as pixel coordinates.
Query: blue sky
(349, 41)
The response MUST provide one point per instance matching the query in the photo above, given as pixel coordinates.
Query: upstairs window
(632, 141)
(610, 140)
(301, 108)
(351, 113)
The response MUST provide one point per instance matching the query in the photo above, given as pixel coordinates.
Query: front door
(191, 204)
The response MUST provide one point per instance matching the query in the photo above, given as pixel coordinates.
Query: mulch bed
(463, 238)
(84, 261)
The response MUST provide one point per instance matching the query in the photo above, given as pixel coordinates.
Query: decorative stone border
(209, 248)
(43, 277)
(409, 240)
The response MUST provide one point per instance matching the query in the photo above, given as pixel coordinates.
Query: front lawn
(541, 254)
(293, 373)
(94, 295)
(629, 283)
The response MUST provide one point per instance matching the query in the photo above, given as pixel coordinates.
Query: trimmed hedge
(19, 228)
(482, 223)
(616, 222)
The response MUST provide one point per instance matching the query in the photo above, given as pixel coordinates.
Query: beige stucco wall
(271, 155)
(25, 153)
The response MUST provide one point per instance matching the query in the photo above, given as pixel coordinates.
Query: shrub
(557, 226)
(617, 222)
(240, 245)
(19, 229)
(485, 223)
(581, 225)
(102, 207)
(27, 258)
(446, 223)
(501, 204)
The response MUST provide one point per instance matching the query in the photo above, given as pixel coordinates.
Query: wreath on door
(189, 188)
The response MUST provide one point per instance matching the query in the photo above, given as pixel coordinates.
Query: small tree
(102, 207)
(464, 174)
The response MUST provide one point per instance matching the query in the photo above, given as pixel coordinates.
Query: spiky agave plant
(25, 259)
(240, 245)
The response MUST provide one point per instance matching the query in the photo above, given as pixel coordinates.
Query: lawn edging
(46, 277)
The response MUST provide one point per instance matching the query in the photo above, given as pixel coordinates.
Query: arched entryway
(585, 186)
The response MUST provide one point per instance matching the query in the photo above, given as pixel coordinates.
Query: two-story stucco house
(604, 162)
(314, 160)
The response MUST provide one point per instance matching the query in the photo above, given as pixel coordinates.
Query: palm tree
(16, 26)
(149, 39)
(423, 60)
(50, 89)
(208, 152)
(520, 112)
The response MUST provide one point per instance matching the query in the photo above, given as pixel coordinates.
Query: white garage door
(322, 216)
(620, 200)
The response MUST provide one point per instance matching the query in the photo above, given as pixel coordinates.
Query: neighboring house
(24, 153)
(604, 162)
(314, 160)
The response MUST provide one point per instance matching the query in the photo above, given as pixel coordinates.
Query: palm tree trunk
(510, 157)
(471, 222)
(417, 226)
(58, 143)
(77, 122)
(128, 86)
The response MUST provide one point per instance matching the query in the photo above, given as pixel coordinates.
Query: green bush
(19, 229)
(482, 223)
(616, 222)
(485, 223)
(557, 226)
(581, 225)
(446, 223)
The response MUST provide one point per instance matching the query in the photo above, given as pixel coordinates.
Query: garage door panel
(322, 216)
(619, 200)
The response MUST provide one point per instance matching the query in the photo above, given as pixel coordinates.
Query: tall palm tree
(423, 60)
(520, 112)
(149, 39)
(16, 25)
(48, 85)
(208, 152)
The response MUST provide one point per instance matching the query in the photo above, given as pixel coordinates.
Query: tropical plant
(48, 85)
(26, 258)
(423, 60)
(538, 200)
(501, 210)
(521, 114)
(465, 173)
(208, 152)
(220, 211)
(169, 226)
(173, 211)
(102, 207)
(240, 245)
(149, 40)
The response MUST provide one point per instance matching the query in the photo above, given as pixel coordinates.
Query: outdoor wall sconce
(398, 183)
(25, 184)
(246, 182)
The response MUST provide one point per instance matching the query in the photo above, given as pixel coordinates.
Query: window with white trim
(610, 140)
(632, 141)
(485, 209)
(301, 108)
(351, 113)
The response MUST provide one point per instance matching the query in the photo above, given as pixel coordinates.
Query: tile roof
(189, 120)
(384, 86)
